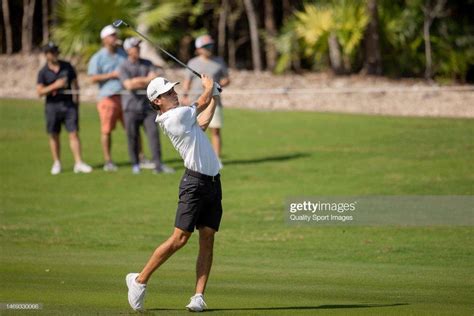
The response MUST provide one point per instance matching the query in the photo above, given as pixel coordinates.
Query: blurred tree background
(433, 39)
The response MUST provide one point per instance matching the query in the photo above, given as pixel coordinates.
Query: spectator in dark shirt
(61, 107)
(135, 74)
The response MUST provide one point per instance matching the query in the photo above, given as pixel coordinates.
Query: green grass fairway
(67, 241)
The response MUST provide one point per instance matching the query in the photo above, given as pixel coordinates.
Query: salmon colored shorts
(110, 111)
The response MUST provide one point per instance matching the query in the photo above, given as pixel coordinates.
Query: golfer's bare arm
(43, 90)
(206, 116)
(206, 104)
(205, 98)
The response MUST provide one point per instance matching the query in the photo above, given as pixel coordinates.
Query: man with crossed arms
(200, 192)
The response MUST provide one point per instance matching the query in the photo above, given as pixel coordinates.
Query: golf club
(119, 23)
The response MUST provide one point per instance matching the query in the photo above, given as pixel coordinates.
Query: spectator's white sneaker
(147, 164)
(167, 169)
(110, 166)
(136, 169)
(197, 303)
(56, 168)
(164, 169)
(136, 292)
(82, 167)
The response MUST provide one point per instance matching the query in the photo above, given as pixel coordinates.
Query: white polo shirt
(180, 125)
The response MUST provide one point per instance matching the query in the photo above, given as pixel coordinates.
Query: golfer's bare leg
(106, 140)
(177, 240)
(204, 260)
(75, 144)
(216, 140)
(54, 146)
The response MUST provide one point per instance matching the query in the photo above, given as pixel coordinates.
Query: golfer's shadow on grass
(173, 162)
(276, 158)
(128, 164)
(291, 308)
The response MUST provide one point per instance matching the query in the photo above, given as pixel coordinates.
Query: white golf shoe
(136, 292)
(56, 168)
(197, 303)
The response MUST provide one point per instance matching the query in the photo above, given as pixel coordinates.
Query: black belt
(202, 176)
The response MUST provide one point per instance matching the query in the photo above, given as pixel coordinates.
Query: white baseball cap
(131, 42)
(107, 30)
(203, 40)
(158, 86)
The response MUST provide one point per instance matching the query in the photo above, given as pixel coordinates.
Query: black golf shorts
(200, 198)
(61, 113)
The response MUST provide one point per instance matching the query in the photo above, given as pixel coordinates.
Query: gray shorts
(61, 113)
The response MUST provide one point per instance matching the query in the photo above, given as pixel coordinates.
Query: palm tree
(221, 28)
(235, 12)
(8, 27)
(254, 39)
(270, 34)
(401, 38)
(431, 11)
(45, 20)
(155, 21)
(27, 26)
(289, 48)
(80, 22)
(331, 31)
(372, 58)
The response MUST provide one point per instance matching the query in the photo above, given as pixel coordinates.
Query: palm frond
(80, 22)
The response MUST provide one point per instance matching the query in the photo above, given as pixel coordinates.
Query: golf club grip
(199, 76)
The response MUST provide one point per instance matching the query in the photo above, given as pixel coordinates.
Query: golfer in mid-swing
(200, 192)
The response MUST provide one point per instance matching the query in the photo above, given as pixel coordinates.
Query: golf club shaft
(163, 50)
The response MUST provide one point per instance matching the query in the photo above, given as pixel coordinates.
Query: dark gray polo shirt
(135, 100)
